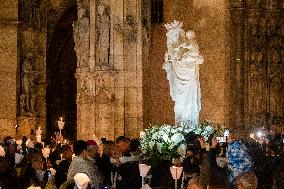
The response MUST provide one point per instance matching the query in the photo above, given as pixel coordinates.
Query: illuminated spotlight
(259, 134)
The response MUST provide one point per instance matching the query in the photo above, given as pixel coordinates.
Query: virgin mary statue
(182, 61)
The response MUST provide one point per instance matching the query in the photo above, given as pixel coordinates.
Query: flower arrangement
(167, 142)
(208, 128)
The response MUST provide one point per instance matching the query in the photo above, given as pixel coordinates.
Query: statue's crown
(174, 25)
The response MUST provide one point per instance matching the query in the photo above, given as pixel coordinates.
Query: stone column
(237, 66)
(109, 97)
(9, 66)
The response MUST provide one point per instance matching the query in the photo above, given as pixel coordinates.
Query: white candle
(38, 132)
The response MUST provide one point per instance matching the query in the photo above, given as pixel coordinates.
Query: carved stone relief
(103, 35)
(29, 81)
(81, 33)
(32, 13)
(261, 37)
(128, 29)
(103, 107)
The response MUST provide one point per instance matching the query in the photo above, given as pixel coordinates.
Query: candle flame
(61, 119)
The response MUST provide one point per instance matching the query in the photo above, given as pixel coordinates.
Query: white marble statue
(182, 61)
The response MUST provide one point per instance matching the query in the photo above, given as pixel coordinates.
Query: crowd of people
(82, 165)
(115, 165)
(238, 163)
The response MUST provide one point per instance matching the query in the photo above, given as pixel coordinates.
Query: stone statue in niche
(182, 62)
(103, 35)
(145, 32)
(81, 37)
(257, 76)
(29, 78)
(256, 60)
(130, 29)
(30, 12)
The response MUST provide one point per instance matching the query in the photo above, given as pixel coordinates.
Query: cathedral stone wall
(123, 88)
(8, 66)
(109, 68)
(209, 19)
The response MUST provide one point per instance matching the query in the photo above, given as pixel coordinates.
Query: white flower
(181, 150)
(165, 137)
(159, 147)
(172, 146)
(151, 144)
(2, 151)
(177, 138)
(155, 135)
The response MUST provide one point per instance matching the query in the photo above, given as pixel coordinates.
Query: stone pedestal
(26, 126)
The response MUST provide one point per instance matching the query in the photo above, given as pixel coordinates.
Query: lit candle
(38, 132)
(61, 156)
(38, 135)
(60, 124)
